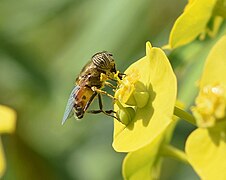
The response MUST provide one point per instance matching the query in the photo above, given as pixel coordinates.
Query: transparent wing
(70, 104)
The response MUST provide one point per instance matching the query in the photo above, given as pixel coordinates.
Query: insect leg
(94, 111)
(100, 102)
(100, 105)
(108, 112)
(99, 91)
(121, 75)
(110, 85)
(90, 100)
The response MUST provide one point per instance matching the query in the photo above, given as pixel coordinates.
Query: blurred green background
(44, 45)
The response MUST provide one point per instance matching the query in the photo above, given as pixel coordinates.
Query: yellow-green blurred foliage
(44, 45)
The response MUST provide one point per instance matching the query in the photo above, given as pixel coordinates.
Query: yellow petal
(7, 119)
(215, 66)
(2, 160)
(206, 152)
(140, 164)
(145, 163)
(191, 23)
(151, 119)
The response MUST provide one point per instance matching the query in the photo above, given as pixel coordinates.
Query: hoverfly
(89, 84)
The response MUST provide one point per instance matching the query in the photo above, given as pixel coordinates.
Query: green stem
(184, 115)
(170, 151)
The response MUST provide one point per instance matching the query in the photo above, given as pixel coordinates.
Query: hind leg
(108, 112)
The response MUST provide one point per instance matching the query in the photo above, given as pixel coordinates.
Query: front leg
(109, 85)
(99, 91)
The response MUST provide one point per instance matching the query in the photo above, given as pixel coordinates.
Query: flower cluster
(210, 105)
(146, 100)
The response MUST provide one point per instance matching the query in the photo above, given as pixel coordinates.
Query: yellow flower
(210, 105)
(146, 97)
(143, 163)
(194, 20)
(206, 147)
(7, 125)
(146, 162)
(211, 101)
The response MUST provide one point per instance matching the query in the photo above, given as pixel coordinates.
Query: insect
(89, 84)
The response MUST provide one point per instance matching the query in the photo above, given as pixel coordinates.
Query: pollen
(132, 91)
(127, 87)
(210, 105)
